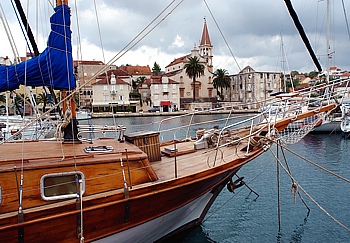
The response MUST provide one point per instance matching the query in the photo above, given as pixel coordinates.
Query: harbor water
(246, 216)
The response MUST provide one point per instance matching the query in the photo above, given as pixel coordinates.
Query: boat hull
(165, 226)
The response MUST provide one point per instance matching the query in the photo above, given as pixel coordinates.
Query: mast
(328, 50)
(68, 106)
(27, 27)
(302, 34)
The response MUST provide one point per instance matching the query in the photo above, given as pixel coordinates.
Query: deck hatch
(61, 185)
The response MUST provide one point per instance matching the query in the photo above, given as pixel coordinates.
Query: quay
(173, 113)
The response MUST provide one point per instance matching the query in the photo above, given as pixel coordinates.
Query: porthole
(61, 185)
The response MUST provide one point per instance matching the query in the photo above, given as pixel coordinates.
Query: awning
(165, 102)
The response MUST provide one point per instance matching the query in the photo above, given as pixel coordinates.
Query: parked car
(154, 109)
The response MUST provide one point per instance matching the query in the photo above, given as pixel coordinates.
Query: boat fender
(319, 123)
(231, 186)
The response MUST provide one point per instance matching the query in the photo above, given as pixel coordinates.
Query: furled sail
(53, 67)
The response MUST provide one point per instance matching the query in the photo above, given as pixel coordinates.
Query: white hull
(345, 121)
(327, 127)
(160, 227)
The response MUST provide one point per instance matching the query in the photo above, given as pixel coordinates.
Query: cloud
(177, 43)
(249, 31)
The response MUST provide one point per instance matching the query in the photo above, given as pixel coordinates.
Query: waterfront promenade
(174, 113)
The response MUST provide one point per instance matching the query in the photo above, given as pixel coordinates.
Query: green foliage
(221, 80)
(293, 73)
(137, 82)
(313, 74)
(42, 98)
(2, 98)
(156, 69)
(194, 69)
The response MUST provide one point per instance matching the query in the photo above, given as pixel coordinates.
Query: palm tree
(42, 98)
(221, 80)
(194, 69)
(2, 98)
(137, 82)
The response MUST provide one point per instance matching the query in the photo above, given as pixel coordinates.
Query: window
(105, 98)
(249, 87)
(182, 93)
(174, 86)
(156, 97)
(121, 97)
(121, 87)
(105, 87)
(61, 185)
(156, 86)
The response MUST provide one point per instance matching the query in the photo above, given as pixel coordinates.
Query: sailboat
(131, 188)
(345, 120)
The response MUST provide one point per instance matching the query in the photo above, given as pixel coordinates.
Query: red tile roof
(85, 62)
(137, 70)
(178, 60)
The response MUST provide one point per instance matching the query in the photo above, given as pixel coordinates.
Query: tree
(194, 69)
(137, 82)
(42, 98)
(156, 69)
(221, 80)
(313, 74)
(2, 98)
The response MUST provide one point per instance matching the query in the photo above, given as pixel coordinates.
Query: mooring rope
(315, 164)
(309, 196)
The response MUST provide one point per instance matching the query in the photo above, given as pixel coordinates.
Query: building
(204, 85)
(250, 86)
(164, 93)
(85, 74)
(111, 92)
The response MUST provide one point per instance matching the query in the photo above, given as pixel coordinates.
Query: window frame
(64, 196)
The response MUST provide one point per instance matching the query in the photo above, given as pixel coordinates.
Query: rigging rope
(228, 46)
(309, 196)
(346, 18)
(313, 163)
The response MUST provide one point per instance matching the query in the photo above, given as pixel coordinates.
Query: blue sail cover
(53, 67)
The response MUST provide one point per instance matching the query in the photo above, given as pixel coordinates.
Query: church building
(204, 90)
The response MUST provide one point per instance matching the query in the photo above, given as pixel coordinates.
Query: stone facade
(250, 86)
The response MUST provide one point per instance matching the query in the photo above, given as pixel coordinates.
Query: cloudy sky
(248, 31)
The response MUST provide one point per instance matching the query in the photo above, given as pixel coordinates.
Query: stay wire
(313, 163)
(346, 18)
(228, 46)
(309, 196)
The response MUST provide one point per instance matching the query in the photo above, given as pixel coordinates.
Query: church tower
(205, 47)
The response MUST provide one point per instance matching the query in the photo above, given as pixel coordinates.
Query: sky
(257, 33)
